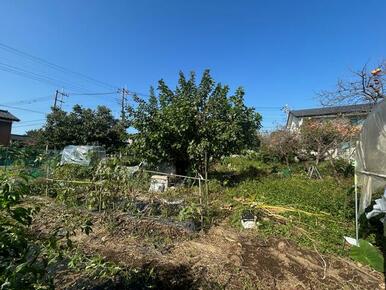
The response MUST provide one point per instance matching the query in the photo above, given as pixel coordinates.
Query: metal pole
(201, 205)
(174, 175)
(356, 205)
(372, 173)
(56, 98)
(206, 179)
(47, 168)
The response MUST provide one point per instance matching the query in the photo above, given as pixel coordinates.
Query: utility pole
(59, 98)
(124, 93)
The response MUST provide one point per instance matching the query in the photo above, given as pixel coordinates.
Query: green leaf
(367, 254)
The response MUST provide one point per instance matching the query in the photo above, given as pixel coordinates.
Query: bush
(283, 144)
(21, 264)
(266, 156)
(72, 172)
(344, 167)
(341, 167)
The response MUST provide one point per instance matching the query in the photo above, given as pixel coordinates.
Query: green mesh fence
(33, 161)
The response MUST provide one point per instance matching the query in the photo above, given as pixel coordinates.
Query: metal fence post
(201, 204)
(47, 168)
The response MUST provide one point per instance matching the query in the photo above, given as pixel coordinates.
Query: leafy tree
(82, 126)
(180, 125)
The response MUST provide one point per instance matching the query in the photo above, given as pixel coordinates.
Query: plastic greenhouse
(370, 165)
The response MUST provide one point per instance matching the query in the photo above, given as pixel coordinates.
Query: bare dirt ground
(222, 258)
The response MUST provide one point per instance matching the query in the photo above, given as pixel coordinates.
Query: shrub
(320, 138)
(21, 264)
(344, 167)
(72, 172)
(283, 144)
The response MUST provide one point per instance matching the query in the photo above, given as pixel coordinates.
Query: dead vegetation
(166, 255)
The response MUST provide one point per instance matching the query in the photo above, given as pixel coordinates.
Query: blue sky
(281, 52)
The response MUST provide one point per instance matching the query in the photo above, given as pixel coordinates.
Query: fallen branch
(324, 263)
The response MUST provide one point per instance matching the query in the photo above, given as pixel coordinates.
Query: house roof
(360, 108)
(16, 137)
(5, 115)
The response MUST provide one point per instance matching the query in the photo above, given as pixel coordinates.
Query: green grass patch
(313, 213)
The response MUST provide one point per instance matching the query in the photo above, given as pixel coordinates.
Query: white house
(355, 113)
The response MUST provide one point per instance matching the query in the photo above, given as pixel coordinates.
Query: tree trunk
(182, 166)
(317, 156)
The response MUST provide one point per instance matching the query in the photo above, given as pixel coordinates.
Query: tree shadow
(150, 276)
(375, 227)
(232, 178)
(380, 239)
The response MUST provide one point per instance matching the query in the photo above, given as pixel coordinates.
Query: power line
(22, 109)
(47, 98)
(62, 69)
(32, 121)
(53, 81)
(30, 100)
(28, 125)
(38, 77)
(43, 72)
(269, 108)
(53, 65)
(93, 94)
(137, 93)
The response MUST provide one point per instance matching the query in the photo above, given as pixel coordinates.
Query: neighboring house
(355, 113)
(24, 139)
(6, 120)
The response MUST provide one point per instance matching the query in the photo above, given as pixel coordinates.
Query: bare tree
(366, 86)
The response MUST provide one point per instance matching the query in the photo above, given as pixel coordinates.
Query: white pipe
(174, 175)
(372, 173)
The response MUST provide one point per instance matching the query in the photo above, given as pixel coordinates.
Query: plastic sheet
(81, 155)
(371, 156)
(378, 208)
(133, 169)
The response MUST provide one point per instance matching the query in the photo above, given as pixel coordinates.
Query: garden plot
(112, 233)
(168, 256)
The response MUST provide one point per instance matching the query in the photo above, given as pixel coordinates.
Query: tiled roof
(5, 115)
(360, 108)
